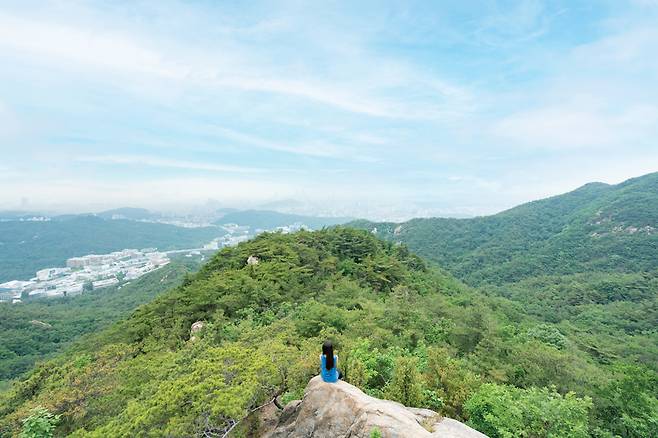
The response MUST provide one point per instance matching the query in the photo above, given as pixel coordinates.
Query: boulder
(334, 410)
(196, 328)
(40, 324)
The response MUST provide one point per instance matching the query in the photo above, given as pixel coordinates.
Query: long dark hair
(328, 351)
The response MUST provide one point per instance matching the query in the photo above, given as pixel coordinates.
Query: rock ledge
(334, 410)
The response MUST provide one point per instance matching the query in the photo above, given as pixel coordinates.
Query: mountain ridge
(614, 228)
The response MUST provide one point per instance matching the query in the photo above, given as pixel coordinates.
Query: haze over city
(370, 110)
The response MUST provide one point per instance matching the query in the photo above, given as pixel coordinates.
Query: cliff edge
(334, 410)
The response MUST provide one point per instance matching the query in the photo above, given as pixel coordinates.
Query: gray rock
(196, 328)
(334, 410)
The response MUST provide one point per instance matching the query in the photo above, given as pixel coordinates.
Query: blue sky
(375, 109)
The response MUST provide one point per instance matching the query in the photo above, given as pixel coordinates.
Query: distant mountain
(598, 227)
(130, 213)
(26, 247)
(226, 210)
(282, 204)
(266, 219)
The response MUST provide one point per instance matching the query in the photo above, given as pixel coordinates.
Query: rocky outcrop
(335, 410)
(195, 329)
(40, 324)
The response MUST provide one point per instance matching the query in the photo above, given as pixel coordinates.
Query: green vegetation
(502, 411)
(40, 328)
(40, 424)
(405, 385)
(584, 264)
(597, 228)
(402, 330)
(26, 247)
(375, 433)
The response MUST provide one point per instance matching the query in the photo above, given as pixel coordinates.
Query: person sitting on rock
(328, 363)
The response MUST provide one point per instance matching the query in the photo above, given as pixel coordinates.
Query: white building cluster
(103, 270)
(83, 273)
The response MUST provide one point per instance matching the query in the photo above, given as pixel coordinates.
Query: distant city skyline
(374, 110)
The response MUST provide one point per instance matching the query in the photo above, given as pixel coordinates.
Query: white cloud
(160, 162)
(229, 65)
(630, 48)
(571, 126)
(310, 149)
(600, 94)
(10, 126)
(68, 45)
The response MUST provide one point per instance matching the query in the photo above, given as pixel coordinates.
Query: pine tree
(406, 386)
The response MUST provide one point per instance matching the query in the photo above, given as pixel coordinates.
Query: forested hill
(40, 328)
(26, 247)
(598, 227)
(402, 330)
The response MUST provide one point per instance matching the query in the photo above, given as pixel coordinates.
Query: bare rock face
(40, 324)
(196, 328)
(335, 410)
(252, 260)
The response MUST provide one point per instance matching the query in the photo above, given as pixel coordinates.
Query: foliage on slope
(402, 330)
(594, 228)
(38, 328)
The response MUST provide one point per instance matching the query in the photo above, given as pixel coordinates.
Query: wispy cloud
(255, 141)
(9, 124)
(77, 47)
(82, 47)
(575, 126)
(141, 160)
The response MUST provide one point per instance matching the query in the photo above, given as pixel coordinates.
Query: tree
(629, 403)
(406, 386)
(450, 380)
(502, 411)
(40, 424)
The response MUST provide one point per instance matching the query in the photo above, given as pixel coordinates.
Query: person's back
(328, 363)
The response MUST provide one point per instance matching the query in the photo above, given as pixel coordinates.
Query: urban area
(97, 271)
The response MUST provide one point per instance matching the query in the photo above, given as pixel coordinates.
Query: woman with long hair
(328, 363)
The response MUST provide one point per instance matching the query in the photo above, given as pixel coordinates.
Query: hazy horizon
(367, 110)
(370, 212)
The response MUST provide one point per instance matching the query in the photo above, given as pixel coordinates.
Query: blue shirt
(331, 375)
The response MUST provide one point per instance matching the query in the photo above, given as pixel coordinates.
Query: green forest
(596, 228)
(40, 328)
(26, 247)
(404, 329)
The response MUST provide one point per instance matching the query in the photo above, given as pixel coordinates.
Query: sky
(384, 110)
